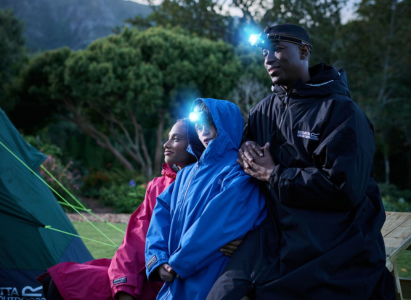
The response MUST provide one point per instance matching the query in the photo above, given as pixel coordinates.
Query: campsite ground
(120, 220)
(85, 229)
(97, 250)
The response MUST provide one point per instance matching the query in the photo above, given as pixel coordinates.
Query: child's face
(206, 132)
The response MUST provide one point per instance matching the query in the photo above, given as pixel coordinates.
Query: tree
(202, 18)
(254, 83)
(12, 54)
(374, 50)
(123, 90)
(253, 11)
(37, 88)
(247, 94)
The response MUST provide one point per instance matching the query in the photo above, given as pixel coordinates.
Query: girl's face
(175, 148)
(206, 132)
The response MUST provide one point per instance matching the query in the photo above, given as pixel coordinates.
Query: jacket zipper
(284, 112)
(259, 275)
(188, 186)
(184, 198)
(168, 294)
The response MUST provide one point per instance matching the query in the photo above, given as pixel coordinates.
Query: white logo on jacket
(308, 135)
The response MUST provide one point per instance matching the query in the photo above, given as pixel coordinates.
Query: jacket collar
(325, 80)
(168, 171)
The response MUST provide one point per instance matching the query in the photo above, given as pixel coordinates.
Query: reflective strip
(152, 261)
(120, 280)
(319, 84)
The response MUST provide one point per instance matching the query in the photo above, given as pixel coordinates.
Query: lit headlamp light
(194, 117)
(263, 39)
(257, 40)
(199, 117)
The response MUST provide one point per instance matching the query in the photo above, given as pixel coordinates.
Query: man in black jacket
(312, 149)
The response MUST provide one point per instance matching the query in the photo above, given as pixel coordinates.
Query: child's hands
(166, 273)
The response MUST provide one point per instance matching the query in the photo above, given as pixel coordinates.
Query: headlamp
(199, 117)
(254, 38)
(261, 40)
(194, 117)
(258, 40)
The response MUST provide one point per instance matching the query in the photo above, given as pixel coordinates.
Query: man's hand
(251, 146)
(166, 273)
(231, 247)
(255, 165)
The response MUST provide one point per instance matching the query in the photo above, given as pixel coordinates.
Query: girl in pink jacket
(124, 276)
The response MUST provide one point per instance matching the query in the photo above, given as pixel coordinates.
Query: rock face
(51, 24)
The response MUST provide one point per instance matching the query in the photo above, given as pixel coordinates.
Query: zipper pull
(285, 101)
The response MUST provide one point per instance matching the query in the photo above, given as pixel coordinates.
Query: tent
(27, 205)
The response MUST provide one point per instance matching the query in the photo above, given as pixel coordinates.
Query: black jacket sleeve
(343, 163)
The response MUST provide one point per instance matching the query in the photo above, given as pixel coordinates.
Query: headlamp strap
(286, 38)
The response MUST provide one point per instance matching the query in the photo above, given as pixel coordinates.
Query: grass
(404, 264)
(98, 250)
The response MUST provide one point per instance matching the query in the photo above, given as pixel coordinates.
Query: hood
(325, 80)
(195, 146)
(229, 123)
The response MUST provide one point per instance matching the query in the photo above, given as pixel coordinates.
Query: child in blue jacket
(211, 203)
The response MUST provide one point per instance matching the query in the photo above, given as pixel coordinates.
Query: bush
(64, 174)
(119, 177)
(95, 181)
(71, 180)
(124, 198)
(395, 199)
(44, 147)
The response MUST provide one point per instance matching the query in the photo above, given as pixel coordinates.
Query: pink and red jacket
(104, 278)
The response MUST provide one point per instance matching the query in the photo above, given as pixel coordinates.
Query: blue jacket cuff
(153, 263)
(179, 267)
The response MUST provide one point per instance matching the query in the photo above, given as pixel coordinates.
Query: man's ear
(304, 52)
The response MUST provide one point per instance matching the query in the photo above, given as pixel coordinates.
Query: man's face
(283, 63)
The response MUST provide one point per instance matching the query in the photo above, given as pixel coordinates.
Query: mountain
(50, 24)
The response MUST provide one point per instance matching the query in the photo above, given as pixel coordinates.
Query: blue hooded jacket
(211, 203)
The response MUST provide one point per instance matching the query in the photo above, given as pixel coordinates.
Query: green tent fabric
(27, 249)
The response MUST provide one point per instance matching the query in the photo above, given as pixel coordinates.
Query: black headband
(263, 39)
(278, 38)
